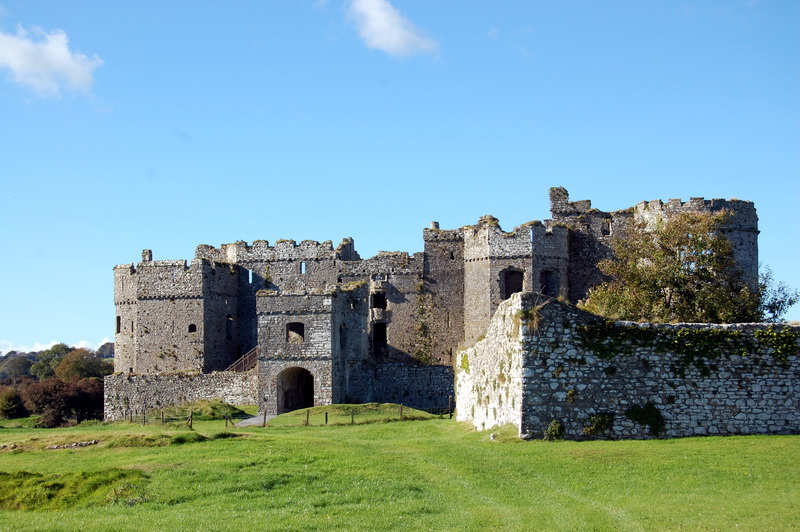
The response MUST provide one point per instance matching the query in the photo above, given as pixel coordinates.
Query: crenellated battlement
(283, 249)
(742, 214)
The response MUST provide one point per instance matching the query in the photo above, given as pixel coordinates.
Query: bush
(58, 401)
(554, 431)
(11, 404)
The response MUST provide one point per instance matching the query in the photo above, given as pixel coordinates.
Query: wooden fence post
(401, 411)
(307, 413)
(264, 421)
(352, 417)
(162, 416)
(326, 418)
(191, 418)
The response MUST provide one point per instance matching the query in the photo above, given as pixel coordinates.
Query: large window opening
(548, 283)
(379, 339)
(295, 332)
(378, 300)
(512, 282)
(295, 389)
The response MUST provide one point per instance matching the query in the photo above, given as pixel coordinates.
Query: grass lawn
(432, 473)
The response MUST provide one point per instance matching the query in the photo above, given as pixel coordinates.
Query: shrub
(554, 431)
(11, 404)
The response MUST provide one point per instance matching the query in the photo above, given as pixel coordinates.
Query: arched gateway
(295, 389)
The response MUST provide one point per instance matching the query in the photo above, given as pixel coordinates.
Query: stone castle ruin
(293, 325)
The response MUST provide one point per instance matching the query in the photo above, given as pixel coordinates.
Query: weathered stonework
(629, 380)
(322, 325)
(138, 394)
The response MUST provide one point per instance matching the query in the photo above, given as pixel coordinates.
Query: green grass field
(430, 474)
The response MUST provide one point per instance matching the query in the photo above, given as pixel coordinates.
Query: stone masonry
(545, 361)
(319, 324)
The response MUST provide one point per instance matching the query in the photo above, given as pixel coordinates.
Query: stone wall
(488, 378)
(423, 387)
(140, 393)
(628, 380)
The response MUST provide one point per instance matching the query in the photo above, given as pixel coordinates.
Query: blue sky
(145, 126)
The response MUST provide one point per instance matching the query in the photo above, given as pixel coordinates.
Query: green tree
(683, 270)
(80, 364)
(48, 360)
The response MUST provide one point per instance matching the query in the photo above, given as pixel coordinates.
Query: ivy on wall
(694, 347)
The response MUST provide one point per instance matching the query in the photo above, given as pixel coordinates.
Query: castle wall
(138, 394)
(488, 378)
(444, 282)
(612, 380)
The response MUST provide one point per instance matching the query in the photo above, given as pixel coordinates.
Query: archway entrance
(295, 389)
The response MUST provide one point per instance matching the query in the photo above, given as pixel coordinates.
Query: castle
(293, 325)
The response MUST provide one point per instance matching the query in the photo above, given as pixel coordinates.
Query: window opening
(549, 283)
(295, 332)
(229, 327)
(192, 327)
(302, 267)
(379, 339)
(378, 300)
(512, 282)
(119, 324)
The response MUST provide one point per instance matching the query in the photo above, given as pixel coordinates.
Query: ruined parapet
(261, 251)
(547, 366)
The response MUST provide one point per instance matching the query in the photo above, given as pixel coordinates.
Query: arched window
(192, 327)
(511, 282)
(295, 332)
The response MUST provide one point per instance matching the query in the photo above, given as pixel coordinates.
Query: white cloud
(382, 27)
(44, 62)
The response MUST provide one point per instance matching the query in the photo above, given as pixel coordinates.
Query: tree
(48, 360)
(80, 364)
(11, 404)
(683, 270)
(15, 367)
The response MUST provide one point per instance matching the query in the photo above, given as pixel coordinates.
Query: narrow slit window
(302, 267)
(119, 324)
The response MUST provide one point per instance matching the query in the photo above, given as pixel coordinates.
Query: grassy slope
(423, 474)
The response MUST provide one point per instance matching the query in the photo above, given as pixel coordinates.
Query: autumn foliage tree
(80, 364)
(683, 270)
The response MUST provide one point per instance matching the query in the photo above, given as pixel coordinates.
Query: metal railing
(246, 362)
